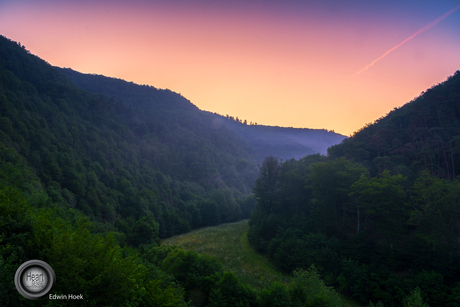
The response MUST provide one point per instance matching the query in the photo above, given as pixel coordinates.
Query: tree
(307, 289)
(145, 231)
(330, 187)
(435, 214)
(414, 299)
(230, 292)
(196, 273)
(275, 296)
(267, 185)
(382, 202)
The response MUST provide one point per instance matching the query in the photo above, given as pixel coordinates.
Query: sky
(328, 64)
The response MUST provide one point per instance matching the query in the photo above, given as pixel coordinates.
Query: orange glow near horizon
(260, 64)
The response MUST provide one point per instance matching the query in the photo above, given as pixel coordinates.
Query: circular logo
(34, 279)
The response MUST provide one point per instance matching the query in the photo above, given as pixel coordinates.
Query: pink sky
(281, 63)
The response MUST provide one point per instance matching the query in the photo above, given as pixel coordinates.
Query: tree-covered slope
(185, 142)
(166, 107)
(379, 217)
(422, 134)
(140, 169)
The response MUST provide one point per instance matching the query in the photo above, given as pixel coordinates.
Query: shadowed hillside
(157, 162)
(380, 216)
(168, 107)
(421, 135)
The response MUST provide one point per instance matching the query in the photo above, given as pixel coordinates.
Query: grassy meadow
(229, 243)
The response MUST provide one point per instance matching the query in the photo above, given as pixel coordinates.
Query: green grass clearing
(229, 243)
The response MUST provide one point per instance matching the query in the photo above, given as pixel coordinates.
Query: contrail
(430, 25)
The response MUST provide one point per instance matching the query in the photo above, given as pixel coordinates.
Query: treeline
(282, 142)
(238, 120)
(176, 137)
(245, 122)
(373, 238)
(145, 172)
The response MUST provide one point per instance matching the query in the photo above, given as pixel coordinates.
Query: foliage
(414, 299)
(84, 263)
(374, 238)
(267, 185)
(307, 289)
(194, 272)
(230, 292)
(421, 135)
(275, 296)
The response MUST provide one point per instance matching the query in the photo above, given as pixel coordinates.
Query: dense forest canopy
(421, 135)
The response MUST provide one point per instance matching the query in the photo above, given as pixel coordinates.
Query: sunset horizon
(330, 66)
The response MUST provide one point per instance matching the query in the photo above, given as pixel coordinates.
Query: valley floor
(229, 243)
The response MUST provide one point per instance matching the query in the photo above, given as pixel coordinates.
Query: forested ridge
(119, 162)
(421, 135)
(174, 112)
(379, 217)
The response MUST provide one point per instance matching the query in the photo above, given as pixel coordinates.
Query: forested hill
(422, 134)
(159, 161)
(186, 142)
(380, 215)
(173, 110)
(282, 142)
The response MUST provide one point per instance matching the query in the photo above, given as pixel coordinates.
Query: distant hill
(154, 161)
(285, 143)
(198, 150)
(261, 141)
(422, 134)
